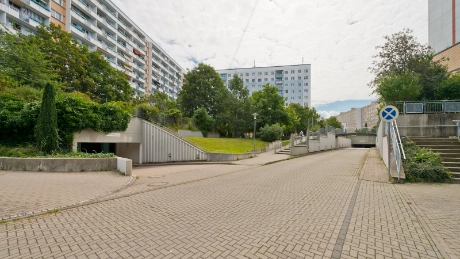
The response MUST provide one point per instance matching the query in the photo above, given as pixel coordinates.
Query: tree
(46, 129)
(449, 89)
(270, 107)
(22, 61)
(402, 87)
(103, 82)
(333, 122)
(203, 88)
(398, 55)
(161, 101)
(236, 113)
(301, 117)
(67, 57)
(271, 132)
(203, 121)
(402, 54)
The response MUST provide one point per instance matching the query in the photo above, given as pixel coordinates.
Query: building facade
(103, 27)
(358, 118)
(444, 31)
(293, 81)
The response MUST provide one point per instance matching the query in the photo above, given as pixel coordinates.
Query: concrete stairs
(448, 148)
(286, 151)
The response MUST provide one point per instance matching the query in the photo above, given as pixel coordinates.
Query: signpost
(388, 114)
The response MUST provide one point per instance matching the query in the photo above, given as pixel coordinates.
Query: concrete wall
(228, 157)
(343, 142)
(189, 133)
(125, 166)
(362, 140)
(428, 125)
(129, 150)
(58, 164)
(133, 134)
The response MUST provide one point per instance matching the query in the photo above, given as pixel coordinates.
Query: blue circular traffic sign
(389, 113)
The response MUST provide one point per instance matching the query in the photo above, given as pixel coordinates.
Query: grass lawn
(227, 145)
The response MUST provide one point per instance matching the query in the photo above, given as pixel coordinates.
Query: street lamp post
(255, 117)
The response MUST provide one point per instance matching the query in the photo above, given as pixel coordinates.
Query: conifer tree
(46, 129)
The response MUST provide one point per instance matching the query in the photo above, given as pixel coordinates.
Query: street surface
(318, 206)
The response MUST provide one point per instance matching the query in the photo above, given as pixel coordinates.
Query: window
(253, 86)
(300, 78)
(286, 103)
(292, 91)
(253, 73)
(306, 70)
(305, 77)
(305, 90)
(273, 73)
(300, 91)
(56, 15)
(247, 74)
(259, 73)
(272, 79)
(292, 71)
(306, 84)
(300, 71)
(285, 98)
(286, 78)
(305, 97)
(292, 84)
(266, 79)
(241, 74)
(300, 97)
(253, 80)
(259, 80)
(247, 80)
(265, 73)
(300, 84)
(229, 75)
(292, 97)
(287, 91)
(286, 72)
(285, 84)
(59, 2)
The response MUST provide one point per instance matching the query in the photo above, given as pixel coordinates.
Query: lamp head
(255, 115)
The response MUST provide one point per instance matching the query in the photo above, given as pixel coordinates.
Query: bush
(46, 130)
(271, 132)
(203, 121)
(424, 165)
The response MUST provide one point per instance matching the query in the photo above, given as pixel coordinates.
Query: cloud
(336, 37)
(327, 114)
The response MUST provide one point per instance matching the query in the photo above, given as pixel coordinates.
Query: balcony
(83, 5)
(40, 7)
(81, 18)
(81, 33)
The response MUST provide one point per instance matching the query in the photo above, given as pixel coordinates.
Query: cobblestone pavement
(439, 205)
(310, 207)
(24, 192)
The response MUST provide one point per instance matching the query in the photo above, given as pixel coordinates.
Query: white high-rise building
(103, 27)
(293, 81)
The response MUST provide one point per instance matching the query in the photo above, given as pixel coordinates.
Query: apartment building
(358, 118)
(103, 27)
(293, 81)
(444, 32)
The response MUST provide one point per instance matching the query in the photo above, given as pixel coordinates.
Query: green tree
(333, 122)
(271, 132)
(22, 61)
(236, 113)
(301, 117)
(449, 89)
(105, 83)
(67, 57)
(46, 130)
(270, 107)
(162, 102)
(203, 121)
(402, 87)
(203, 88)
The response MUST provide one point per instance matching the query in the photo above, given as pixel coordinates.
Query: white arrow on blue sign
(389, 113)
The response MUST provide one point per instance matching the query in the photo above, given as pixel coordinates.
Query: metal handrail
(398, 148)
(432, 106)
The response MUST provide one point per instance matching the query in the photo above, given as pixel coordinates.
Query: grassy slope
(227, 145)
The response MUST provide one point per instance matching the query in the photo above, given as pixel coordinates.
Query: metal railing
(428, 106)
(398, 149)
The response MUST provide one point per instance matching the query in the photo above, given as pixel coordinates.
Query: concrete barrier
(125, 165)
(58, 164)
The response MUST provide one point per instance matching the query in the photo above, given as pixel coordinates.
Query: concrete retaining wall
(228, 157)
(428, 125)
(58, 164)
(66, 164)
(189, 133)
(343, 142)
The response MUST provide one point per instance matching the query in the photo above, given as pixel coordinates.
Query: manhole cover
(157, 184)
(156, 176)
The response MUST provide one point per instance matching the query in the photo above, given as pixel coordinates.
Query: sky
(337, 37)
